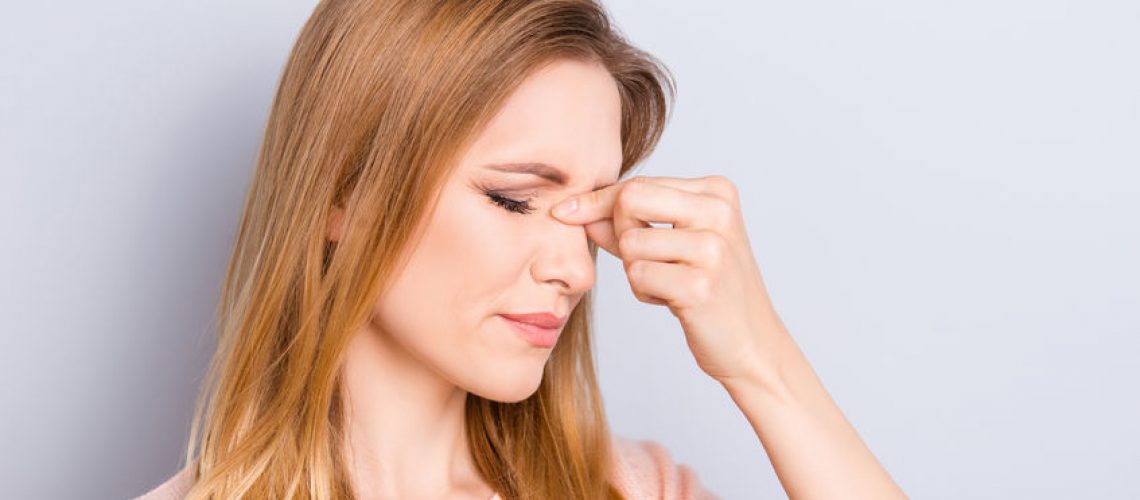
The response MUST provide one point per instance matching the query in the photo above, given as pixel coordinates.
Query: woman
(407, 316)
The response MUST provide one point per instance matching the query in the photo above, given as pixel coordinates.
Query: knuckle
(625, 196)
(724, 188)
(589, 198)
(700, 289)
(628, 241)
(722, 214)
(638, 186)
(711, 248)
(635, 271)
(731, 192)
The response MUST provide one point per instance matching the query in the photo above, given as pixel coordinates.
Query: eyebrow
(543, 170)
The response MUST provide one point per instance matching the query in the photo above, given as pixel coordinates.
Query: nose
(565, 258)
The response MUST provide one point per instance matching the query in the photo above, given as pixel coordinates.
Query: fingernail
(566, 207)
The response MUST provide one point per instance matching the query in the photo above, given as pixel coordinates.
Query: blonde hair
(375, 104)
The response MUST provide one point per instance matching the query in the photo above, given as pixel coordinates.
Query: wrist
(772, 367)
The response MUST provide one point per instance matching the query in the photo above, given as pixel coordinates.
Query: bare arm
(814, 450)
(704, 270)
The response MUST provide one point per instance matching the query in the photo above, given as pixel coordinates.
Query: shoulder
(644, 468)
(174, 488)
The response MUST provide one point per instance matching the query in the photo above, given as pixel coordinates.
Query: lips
(540, 330)
(543, 320)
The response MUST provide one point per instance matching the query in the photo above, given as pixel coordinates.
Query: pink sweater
(644, 470)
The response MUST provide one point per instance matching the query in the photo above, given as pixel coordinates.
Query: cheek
(470, 257)
(480, 248)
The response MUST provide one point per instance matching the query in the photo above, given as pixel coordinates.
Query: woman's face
(492, 246)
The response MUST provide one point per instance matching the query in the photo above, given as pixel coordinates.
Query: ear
(336, 218)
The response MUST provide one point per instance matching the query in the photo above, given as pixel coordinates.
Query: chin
(508, 387)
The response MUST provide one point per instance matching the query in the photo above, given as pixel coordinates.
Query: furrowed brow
(542, 170)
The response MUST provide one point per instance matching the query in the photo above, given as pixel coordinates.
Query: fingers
(642, 200)
(631, 205)
(658, 260)
(711, 185)
(600, 202)
(588, 207)
(693, 247)
(657, 282)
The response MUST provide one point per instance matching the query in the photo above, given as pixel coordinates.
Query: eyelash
(509, 204)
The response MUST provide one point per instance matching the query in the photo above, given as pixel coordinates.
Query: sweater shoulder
(643, 468)
(174, 488)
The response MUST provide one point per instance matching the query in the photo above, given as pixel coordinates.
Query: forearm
(814, 450)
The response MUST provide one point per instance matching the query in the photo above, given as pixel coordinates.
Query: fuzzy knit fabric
(643, 469)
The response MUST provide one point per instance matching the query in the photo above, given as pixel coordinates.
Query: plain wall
(943, 198)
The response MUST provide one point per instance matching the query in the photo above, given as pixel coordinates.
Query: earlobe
(336, 218)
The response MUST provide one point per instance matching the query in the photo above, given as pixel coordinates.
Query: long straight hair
(377, 101)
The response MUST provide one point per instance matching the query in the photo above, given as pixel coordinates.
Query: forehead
(566, 115)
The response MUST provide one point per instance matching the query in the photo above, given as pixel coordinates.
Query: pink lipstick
(539, 329)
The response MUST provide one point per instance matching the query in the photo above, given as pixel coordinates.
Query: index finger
(599, 204)
(588, 207)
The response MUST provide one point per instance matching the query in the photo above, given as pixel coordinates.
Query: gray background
(942, 197)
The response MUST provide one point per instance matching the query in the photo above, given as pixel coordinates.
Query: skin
(436, 337)
(702, 268)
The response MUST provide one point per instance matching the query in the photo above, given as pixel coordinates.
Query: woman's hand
(702, 268)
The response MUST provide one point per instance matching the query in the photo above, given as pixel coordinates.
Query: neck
(405, 433)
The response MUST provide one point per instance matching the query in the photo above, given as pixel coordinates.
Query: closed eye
(512, 205)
